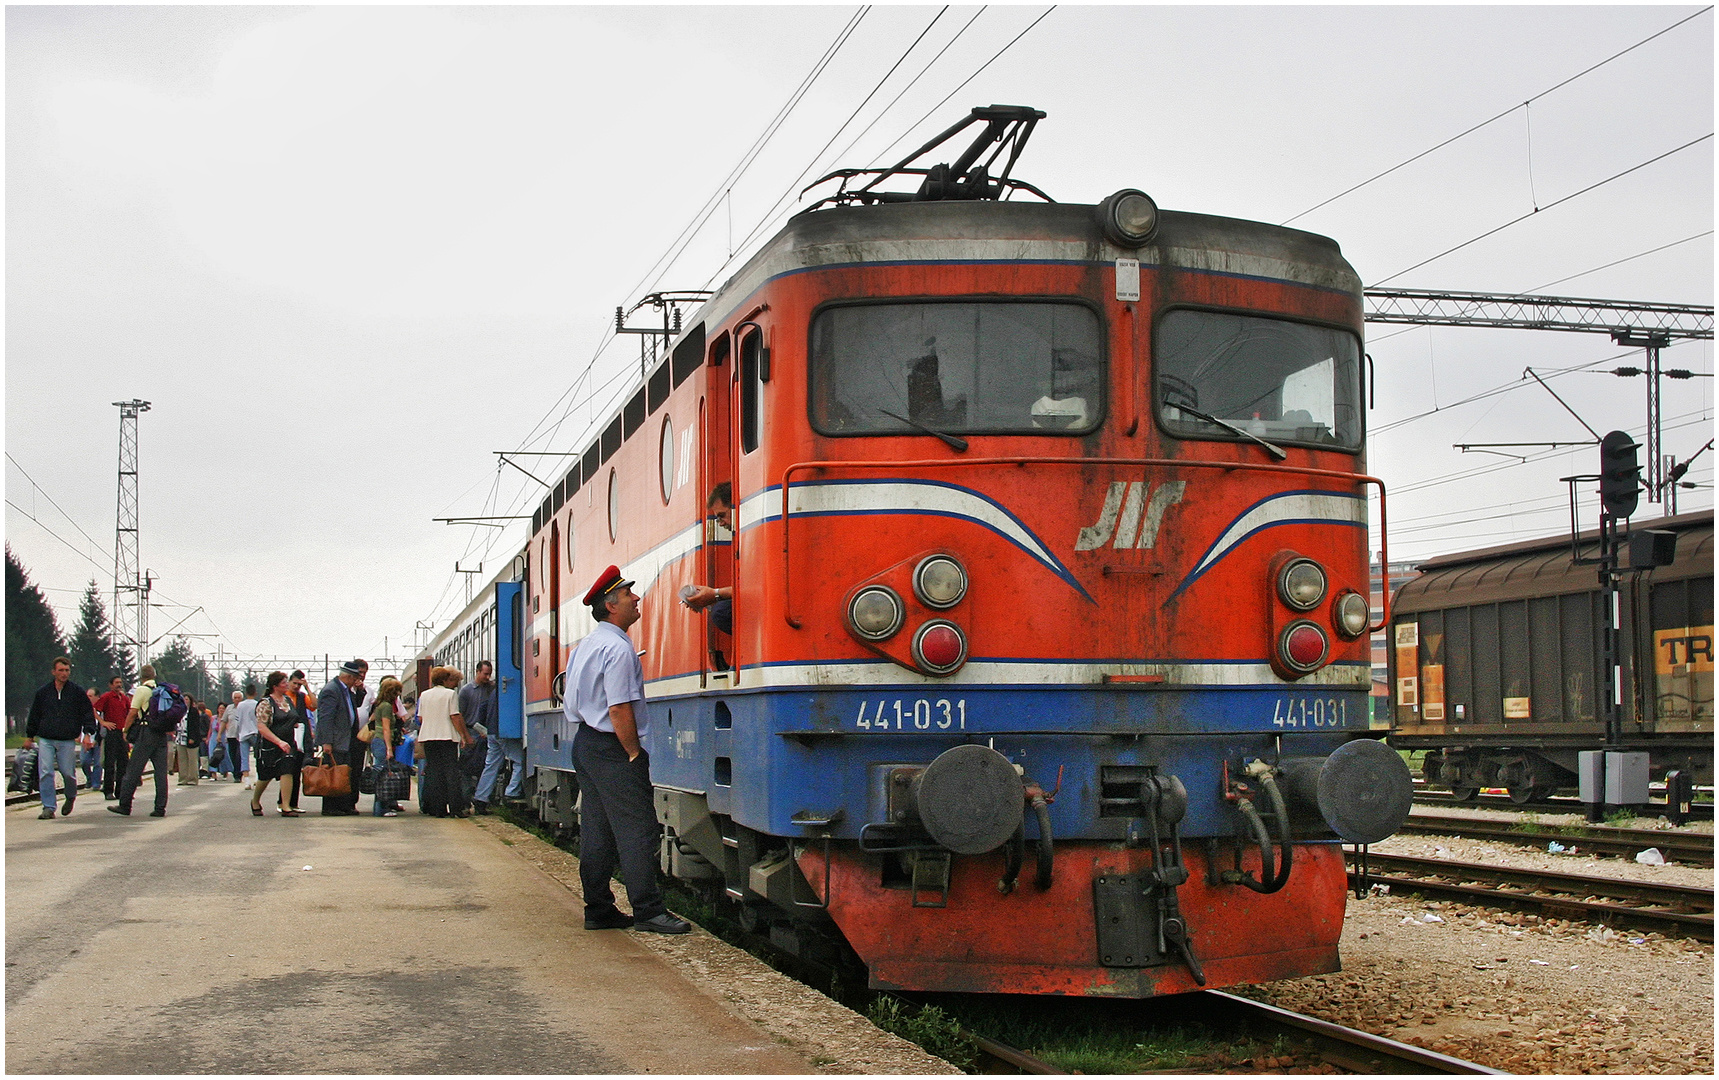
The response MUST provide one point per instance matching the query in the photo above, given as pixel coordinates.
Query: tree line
(34, 638)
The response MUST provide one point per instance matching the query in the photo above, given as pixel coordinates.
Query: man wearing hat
(336, 717)
(617, 821)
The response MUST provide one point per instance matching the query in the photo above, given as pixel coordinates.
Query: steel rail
(1347, 1048)
(1701, 811)
(1693, 848)
(1422, 876)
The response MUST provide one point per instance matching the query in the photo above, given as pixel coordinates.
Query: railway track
(1695, 849)
(1345, 1048)
(1674, 910)
(1700, 811)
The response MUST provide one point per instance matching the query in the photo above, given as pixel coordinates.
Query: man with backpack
(155, 713)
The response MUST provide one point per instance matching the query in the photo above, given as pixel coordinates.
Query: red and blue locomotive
(1047, 667)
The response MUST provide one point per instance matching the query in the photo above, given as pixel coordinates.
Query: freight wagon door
(509, 681)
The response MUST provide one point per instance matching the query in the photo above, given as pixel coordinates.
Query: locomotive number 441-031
(1310, 713)
(914, 714)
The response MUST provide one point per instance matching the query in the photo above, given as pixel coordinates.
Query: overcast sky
(348, 252)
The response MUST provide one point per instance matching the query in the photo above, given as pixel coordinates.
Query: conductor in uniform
(617, 820)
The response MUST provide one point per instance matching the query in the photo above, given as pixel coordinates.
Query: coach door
(509, 687)
(555, 666)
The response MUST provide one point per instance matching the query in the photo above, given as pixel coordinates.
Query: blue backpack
(166, 708)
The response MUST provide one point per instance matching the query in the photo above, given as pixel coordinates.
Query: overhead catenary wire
(1543, 209)
(1495, 119)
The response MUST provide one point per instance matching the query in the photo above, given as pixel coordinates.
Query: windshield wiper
(953, 440)
(1277, 452)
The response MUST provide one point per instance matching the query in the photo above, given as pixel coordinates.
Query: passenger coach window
(1279, 380)
(957, 368)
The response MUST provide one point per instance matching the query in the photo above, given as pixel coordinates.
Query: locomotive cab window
(1278, 380)
(1032, 368)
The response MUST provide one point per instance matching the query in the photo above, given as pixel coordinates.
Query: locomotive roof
(1018, 231)
(1542, 567)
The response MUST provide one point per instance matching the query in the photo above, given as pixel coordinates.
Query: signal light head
(875, 613)
(1301, 584)
(939, 582)
(1352, 614)
(939, 647)
(1303, 647)
(1129, 218)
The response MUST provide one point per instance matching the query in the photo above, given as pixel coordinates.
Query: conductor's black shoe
(124, 811)
(614, 920)
(158, 813)
(663, 924)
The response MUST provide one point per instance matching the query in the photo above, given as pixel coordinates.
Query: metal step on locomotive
(1047, 665)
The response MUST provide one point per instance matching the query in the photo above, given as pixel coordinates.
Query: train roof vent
(1007, 127)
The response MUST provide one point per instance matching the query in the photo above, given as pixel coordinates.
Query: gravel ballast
(1518, 992)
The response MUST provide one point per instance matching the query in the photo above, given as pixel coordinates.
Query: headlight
(1129, 218)
(939, 582)
(939, 647)
(1352, 614)
(1303, 646)
(875, 613)
(1301, 583)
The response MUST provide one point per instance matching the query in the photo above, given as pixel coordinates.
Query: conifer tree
(94, 659)
(33, 639)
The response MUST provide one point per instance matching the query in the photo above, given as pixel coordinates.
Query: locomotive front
(1047, 669)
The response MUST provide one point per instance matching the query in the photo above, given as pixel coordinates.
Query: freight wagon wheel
(1464, 794)
(1521, 795)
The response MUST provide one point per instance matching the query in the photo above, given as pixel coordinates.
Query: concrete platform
(212, 941)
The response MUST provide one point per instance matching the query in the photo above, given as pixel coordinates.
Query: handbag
(393, 783)
(367, 781)
(367, 732)
(326, 780)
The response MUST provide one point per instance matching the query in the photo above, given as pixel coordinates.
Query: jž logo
(1130, 515)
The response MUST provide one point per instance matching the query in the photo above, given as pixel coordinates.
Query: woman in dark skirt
(277, 749)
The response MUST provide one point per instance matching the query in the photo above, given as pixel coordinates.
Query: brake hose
(1041, 810)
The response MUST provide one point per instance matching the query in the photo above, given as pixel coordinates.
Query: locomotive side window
(1032, 368)
(751, 392)
(1278, 380)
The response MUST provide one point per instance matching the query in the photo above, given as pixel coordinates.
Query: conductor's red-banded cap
(606, 583)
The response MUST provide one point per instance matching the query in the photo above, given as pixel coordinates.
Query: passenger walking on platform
(149, 747)
(336, 725)
(441, 734)
(245, 739)
(59, 715)
(115, 751)
(483, 706)
(188, 742)
(89, 746)
(278, 718)
(617, 818)
(384, 727)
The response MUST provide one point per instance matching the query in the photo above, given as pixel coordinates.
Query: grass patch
(927, 1026)
(1620, 817)
(13, 742)
(1529, 822)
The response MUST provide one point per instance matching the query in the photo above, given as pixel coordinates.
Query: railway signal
(1620, 474)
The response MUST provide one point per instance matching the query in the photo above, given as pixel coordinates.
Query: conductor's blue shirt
(604, 670)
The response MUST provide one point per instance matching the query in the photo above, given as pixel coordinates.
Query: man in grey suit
(336, 723)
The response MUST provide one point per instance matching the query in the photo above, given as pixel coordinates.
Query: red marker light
(940, 647)
(1304, 646)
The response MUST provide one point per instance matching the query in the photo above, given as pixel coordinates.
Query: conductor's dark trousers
(617, 825)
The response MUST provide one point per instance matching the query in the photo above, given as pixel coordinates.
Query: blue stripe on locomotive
(800, 751)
